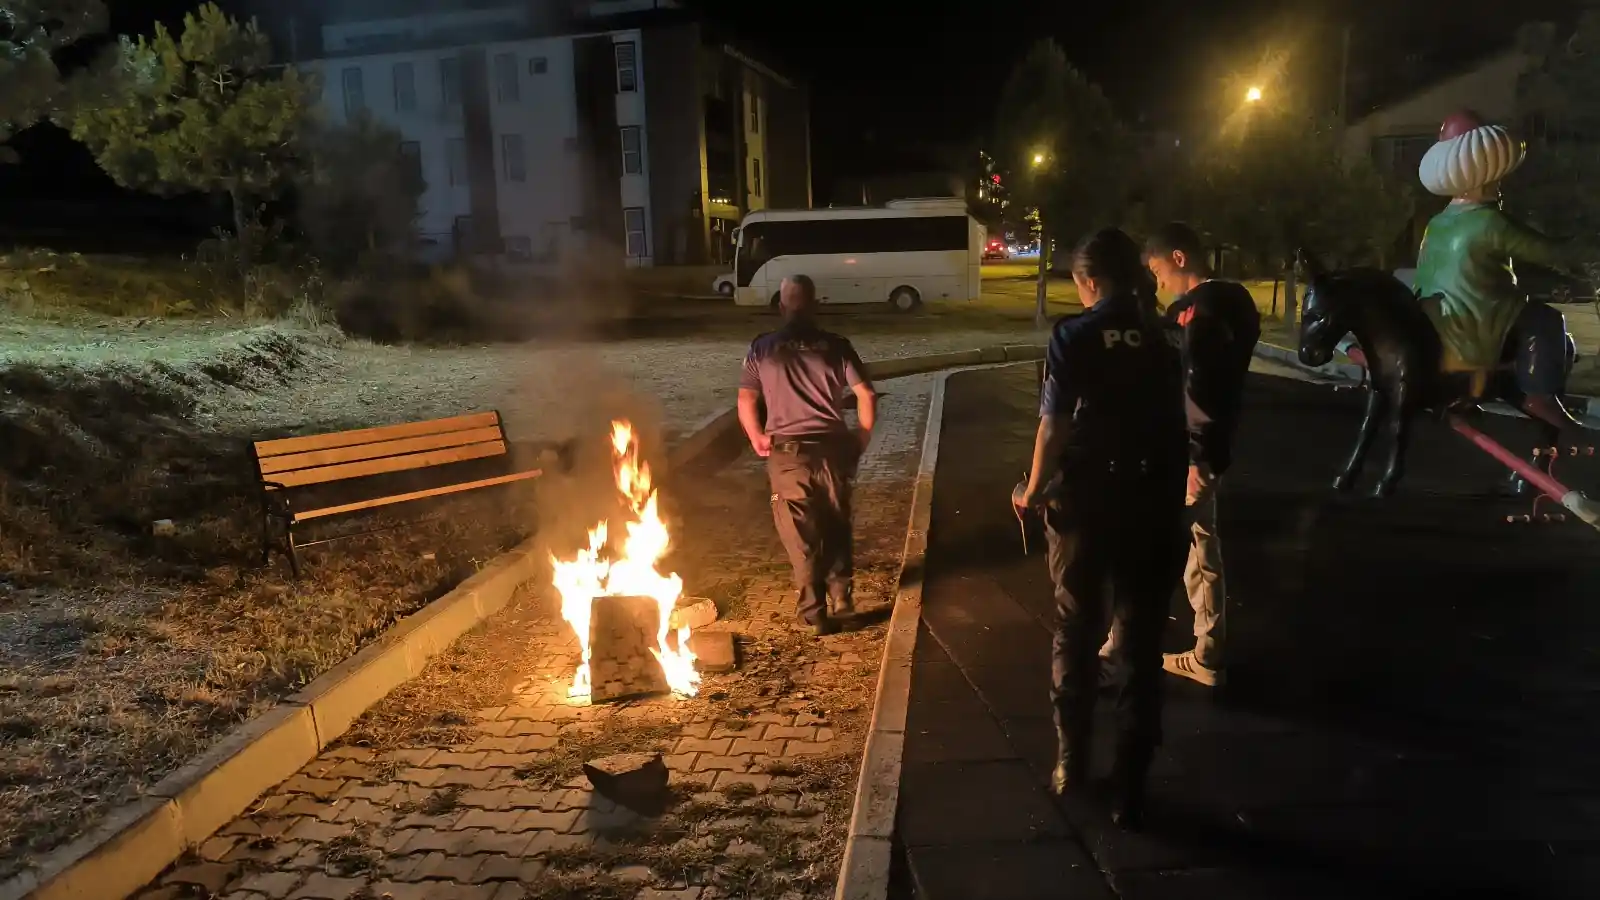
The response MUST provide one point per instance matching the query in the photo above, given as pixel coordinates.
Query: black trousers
(1114, 539)
(811, 507)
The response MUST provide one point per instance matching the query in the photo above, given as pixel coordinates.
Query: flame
(593, 572)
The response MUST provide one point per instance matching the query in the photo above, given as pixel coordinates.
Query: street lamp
(1038, 159)
(1253, 95)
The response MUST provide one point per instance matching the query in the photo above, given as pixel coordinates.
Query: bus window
(754, 252)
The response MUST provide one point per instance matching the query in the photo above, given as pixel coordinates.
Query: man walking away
(1220, 328)
(802, 373)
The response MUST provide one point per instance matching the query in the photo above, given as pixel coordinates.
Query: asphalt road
(1414, 701)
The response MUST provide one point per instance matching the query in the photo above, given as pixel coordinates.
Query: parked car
(723, 285)
(996, 249)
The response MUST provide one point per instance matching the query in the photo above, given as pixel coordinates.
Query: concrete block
(713, 651)
(213, 789)
(622, 632)
(120, 856)
(437, 625)
(693, 613)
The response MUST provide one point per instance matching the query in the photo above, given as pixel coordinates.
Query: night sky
(891, 80)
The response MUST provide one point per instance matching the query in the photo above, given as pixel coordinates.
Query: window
(355, 94)
(755, 114)
(755, 177)
(538, 65)
(632, 154)
(519, 248)
(516, 159)
(450, 82)
(457, 149)
(507, 83)
(633, 224)
(412, 151)
(405, 87)
(627, 67)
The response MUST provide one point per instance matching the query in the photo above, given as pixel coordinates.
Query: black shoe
(821, 626)
(1128, 780)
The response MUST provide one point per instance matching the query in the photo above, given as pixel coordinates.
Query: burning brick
(622, 632)
(713, 651)
(693, 613)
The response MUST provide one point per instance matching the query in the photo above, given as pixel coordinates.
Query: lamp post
(1041, 316)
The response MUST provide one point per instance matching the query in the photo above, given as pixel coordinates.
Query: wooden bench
(322, 476)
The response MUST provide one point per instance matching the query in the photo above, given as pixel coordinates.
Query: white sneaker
(1186, 665)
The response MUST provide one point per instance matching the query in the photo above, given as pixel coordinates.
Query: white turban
(1470, 160)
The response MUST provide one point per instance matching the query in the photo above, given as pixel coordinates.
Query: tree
(360, 197)
(1058, 136)
(206, 112)
(31, 84)
(1558, 188)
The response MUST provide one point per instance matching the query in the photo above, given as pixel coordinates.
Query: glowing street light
(1038, 159)
(1253, 95)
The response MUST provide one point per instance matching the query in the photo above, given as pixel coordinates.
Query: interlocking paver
(488, 799)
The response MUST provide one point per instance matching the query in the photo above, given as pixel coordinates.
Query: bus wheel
(905, 299)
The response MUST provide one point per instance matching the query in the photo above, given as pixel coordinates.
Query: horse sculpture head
(1325, 316)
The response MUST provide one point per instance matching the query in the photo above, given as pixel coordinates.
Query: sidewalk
(1412, 711)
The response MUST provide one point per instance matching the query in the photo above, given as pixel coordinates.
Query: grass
(123, 654)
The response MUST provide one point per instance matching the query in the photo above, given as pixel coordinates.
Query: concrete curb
(137, 842)
(868, 849)
(1579, 404)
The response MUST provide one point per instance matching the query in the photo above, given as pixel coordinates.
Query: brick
(769, 748)
(698, 745)
(429, 840)
(529, 728)
(211, 876)
(490, 714)
(453, 759)
(682, 762)
(727, 778)
(321, 886)
(806, 748)
(307, 805)
(500, 744)
(752, 731)
(422, 777)
(273, 884)
(495, 759)
(497, 821)
(264, 853)
(324, 788)
(510, 890)
(359, 754)
(484, 841)
(528, 798)
(824, 735)
(411, 756)
(483, 799)
(778, 732)
(496, 729)
(442, 866)
(377, 793)
(396, 890)
(350, 768)
(700, 730)
(688, 893)
(362, 811)
(536, 743)
(533, 713)
(539, 820)
(545, 841)
(317, 830)
(217, 848)
(498, 868)
(464, 777)
(710, 762)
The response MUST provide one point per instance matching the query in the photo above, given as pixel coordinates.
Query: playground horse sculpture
(1403, 358)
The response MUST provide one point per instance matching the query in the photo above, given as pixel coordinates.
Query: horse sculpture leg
(1377, 405)
(1400, 417)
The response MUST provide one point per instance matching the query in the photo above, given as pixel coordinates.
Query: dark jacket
(1218, 342)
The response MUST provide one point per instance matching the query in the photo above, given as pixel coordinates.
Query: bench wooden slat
(289, 462)
(309, 514)
(283, 446)
(441, 457)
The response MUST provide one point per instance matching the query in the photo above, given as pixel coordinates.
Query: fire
(596, 572)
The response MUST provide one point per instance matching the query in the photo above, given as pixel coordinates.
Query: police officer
(803, 375)
(1109, 468)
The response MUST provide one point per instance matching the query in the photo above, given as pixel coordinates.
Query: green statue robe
(1465, 280)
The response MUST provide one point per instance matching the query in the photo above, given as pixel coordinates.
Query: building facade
(612, 127)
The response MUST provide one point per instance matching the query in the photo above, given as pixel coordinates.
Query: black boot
(1128, 780)
(1072, 762)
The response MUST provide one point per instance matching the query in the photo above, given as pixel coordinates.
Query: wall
(1490, 90)
(789, 148)
(677, 145)
(539, 210)
(752, 118)
(635, 188)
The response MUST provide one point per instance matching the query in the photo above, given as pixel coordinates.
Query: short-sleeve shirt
(1115, 371)
(802, 374)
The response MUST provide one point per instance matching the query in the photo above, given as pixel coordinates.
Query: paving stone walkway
(1413, 704)
(465, 783)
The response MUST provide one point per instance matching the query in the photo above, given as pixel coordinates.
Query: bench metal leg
(294, 557)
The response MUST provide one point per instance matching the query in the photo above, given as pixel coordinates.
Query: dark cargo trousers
(1114, 539)
(811, 507)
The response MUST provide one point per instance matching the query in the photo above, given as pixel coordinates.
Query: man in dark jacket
(803, 375)
(1220, 325)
